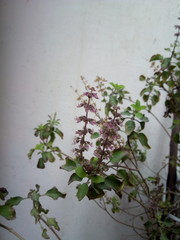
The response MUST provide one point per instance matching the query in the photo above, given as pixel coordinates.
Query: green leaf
(7, 212)
(113, 100)
(44, 234)
(133, 179)
(112, 182)
(40, 163)
(95, 135)
(74, 177)
(40, 147)
(55, 194)
(82, 191)
(80, 172)
(34, 212)
(3, 193)
(139, 115)
(58, 132)
(143, 140)
(123, 174)
(53, 223)
(48, 156)
(155, 99)
(142, 78)
(152, 179)
(137, 106)
(117, 86)
(118, 155)
(69, 166)
(107, 109)
(156, 57)
(34, 196)
(94, 193)
(129, 127)
(165, 63)
(126, 113)
(97, 179)
(31, 151)
(14, 201)
(145, 97)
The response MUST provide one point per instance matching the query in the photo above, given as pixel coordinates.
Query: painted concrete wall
(45, 46)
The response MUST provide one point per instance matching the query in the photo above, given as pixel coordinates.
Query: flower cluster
(109, 136)
(83, 144)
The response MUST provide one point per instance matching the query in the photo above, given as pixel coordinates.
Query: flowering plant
(110, 147)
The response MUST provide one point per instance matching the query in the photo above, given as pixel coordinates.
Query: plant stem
(52, 230)
(160, 123)
(11, 230)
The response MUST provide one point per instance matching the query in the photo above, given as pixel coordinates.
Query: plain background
(45, 46)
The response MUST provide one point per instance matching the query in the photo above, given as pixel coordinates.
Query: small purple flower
(81, 132)
(91, 95)
(89, 107)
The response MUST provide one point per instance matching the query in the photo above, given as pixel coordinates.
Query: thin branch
(160, 123)
(115, 219)
(11, 230)
(144, 181)
(44, 221)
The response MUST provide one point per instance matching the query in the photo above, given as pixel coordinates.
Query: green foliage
(113, 140)
(82, 191)
(54, 193)
(47, 134)
(7, 212)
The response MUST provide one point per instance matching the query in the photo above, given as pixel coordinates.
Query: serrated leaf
(55, 194)
(97, 179)
(74, 177)
(14, 201)
(129, 127)
(44, 234)
(95, 135)
(118, 155)
(7, 212)
(80, 172)
(82, 191)
(69, 166)
(3, 193)
(52, 222)
(143, 140)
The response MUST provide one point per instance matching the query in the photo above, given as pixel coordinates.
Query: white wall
(45, 46)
